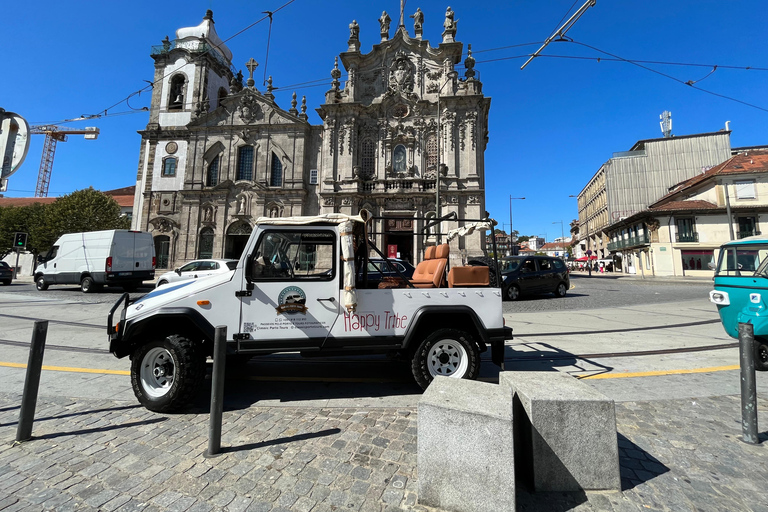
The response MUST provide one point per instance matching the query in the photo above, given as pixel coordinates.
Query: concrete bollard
(32, 381)
(217, 392)
(748, 383)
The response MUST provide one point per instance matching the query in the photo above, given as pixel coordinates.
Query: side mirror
(178, 271)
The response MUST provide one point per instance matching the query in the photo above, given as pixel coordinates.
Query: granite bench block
(465, 457)
(565, 432)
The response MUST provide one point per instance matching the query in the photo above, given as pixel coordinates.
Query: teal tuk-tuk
(741, 291)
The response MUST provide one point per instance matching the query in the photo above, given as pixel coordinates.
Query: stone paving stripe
(660, 372)
(68, 369)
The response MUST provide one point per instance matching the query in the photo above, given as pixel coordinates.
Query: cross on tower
(251, 65)
(402, 17)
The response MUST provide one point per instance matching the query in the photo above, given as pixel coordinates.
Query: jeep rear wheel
(761, 355)
(167, 374)
(447, 353)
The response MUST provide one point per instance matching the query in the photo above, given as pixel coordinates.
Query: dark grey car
(6, 273)
(533, 275)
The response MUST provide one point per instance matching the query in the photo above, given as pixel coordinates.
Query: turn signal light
(203, 303)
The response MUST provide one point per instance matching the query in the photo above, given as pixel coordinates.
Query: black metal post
(748, 384)
(217, 391)
(32, 381)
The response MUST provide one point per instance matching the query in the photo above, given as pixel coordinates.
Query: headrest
(429, 253)
(442, 251)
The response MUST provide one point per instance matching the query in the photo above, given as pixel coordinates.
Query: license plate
(124, 274)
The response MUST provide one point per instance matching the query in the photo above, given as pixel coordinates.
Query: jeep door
(293, 273)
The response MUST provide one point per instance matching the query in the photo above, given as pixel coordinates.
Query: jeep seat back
(431, 272)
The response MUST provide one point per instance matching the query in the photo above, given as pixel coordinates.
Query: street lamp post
(511, 236)
(562, 233)
(448, 79)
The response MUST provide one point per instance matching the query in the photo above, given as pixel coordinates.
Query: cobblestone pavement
(90, 455)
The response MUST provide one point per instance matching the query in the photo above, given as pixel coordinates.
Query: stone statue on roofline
(418, 22)
(449, 34)
(384, 22)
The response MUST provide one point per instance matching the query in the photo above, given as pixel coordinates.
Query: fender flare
(421, 313)
(134, 328)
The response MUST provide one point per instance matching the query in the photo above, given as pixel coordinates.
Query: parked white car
(197, 269)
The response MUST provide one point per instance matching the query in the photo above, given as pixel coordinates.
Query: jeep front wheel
(166, 374)
(447, 353)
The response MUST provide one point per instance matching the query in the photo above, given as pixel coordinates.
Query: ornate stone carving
(329, 201)
(401, 75)
(347, 201)
(249, 108)
(418, 22)
(471, 122)
(242, 204)
(384, 22)
(473, 200)
(171, 148)
(208, 214)
(449, 34)
(398, 204)
(163, 225)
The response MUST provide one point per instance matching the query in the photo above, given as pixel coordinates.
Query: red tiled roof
(685, 205)
(743, 163)
(123, 196)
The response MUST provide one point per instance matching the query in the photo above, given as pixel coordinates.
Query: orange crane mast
(54, 134)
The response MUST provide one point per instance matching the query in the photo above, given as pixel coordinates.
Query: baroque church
(403, 137)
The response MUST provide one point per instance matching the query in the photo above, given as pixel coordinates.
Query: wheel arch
(429, 319)
(166, 321)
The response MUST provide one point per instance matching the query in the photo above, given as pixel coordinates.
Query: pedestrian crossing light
(20, 241)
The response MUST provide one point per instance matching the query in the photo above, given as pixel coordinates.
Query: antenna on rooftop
(666, 123)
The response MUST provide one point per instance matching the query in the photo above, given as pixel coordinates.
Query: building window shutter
(745, 189)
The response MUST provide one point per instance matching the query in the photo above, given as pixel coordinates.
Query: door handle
(329, 300)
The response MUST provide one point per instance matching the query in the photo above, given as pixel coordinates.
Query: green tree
(83, 210)
(12, 219)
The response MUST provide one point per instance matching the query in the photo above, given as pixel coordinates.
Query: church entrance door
(398, 232)
(162, 250)
(237, 238)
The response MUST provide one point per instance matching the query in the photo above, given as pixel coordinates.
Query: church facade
(403, 137)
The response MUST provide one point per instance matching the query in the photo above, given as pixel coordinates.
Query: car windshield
(510, 265)
(743, 261)
(4, 265)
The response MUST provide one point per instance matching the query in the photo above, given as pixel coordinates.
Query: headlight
(719, 297)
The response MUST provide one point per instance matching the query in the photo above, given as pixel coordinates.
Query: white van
(115, 257)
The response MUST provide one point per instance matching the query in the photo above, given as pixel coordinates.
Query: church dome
(206, 31)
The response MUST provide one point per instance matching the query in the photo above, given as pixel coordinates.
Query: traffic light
(20, 241)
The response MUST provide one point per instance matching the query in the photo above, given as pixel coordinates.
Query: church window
(276, 176)
(245, 163)
(176, 99)
(431, 151)
(169, 167)
(313, 176)
(368, 157)
(222, 95)
(212, 176)
(205, 251)
(399, 159)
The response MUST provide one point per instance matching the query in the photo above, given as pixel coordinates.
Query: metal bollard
(748, 383)
(217, 392)
(32, 381)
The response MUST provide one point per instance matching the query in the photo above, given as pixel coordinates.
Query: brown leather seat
(468, 276)
(431, 272)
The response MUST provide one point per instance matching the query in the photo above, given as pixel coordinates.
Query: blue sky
(551, 125)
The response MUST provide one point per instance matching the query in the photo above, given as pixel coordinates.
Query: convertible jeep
(301, 286)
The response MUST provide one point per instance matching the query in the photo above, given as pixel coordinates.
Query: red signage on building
(392, 251)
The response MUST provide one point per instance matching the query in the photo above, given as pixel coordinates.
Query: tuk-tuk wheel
(761, 355)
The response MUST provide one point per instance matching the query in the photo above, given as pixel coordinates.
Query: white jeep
(295, 288)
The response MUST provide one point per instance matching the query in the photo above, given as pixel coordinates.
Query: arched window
(169, 166)
(276, 176)
(212, 176)
(176, 97)
(431, 152)
(399, 162)
(368, 158)
(245, 163)
(205, 250)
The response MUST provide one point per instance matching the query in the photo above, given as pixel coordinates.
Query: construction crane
(54, 134)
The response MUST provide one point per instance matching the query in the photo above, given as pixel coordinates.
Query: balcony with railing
(396, 185)
(687, 237)
(628, 243)
(745, 234)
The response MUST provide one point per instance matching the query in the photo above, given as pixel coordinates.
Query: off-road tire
(761, 355)
(486, 261)
(87, 285)
(40, 284)
(561, 290)
(447, 352)
(512, 292)
(183, 364)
